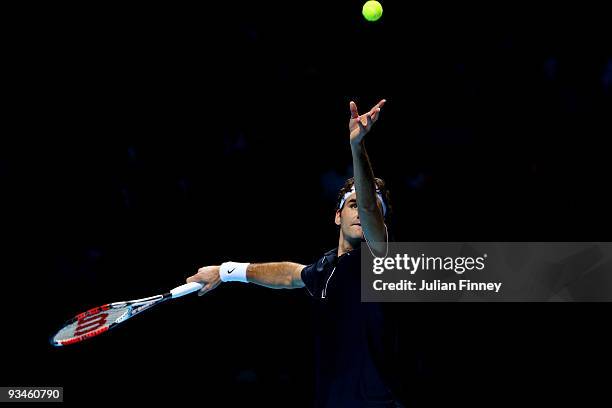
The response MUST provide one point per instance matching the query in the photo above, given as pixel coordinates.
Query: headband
(352, 190)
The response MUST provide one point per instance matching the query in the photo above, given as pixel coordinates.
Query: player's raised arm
(275, 275)
(370, 212)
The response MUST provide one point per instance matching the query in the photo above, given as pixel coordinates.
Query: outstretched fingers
(354, 112)
(380, 104)
(375, 112)
(365, 121)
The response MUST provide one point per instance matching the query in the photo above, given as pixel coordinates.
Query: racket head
(89, 324)
(98, 320)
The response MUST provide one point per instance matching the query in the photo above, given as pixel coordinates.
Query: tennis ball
(372, 10)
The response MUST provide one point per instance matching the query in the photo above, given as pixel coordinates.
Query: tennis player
(353, 339)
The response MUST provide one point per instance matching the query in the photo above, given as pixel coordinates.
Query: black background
(141, 143)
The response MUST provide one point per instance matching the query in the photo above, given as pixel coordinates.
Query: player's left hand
(360, 125)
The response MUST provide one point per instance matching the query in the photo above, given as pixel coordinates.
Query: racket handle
(185, 289)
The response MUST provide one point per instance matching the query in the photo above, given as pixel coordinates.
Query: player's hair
(380, 185)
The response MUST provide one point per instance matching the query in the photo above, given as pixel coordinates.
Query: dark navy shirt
(353, 340)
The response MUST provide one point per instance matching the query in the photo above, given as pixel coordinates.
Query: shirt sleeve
(313, 276)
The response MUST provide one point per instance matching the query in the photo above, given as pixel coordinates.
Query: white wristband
(233, 272)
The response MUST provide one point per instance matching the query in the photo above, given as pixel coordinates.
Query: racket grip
(185, 289)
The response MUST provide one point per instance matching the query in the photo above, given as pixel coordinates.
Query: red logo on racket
(90, 323)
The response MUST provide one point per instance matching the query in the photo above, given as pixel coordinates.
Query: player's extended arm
(370, 214)
(275, 275)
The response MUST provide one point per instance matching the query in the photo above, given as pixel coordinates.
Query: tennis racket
(103, 318)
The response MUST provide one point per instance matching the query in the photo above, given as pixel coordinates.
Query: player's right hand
(207, 276)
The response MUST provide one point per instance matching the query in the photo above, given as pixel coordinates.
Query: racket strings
(91, 323)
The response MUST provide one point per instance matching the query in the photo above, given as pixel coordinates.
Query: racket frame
(133, 307)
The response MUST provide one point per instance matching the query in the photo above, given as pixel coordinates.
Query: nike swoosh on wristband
(231, 271)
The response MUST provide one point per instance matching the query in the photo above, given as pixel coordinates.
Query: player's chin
(356, 231)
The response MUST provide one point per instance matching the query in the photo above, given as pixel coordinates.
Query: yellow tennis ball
(372, 10)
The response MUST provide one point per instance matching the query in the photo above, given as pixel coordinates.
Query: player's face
(348, 219)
